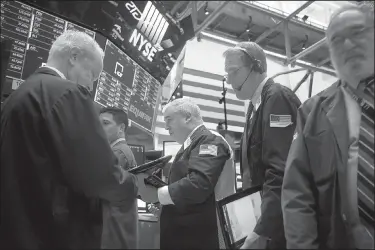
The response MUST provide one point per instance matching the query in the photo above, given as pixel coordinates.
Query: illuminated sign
(153, 26)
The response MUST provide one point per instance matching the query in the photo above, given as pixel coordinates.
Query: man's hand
(154, 209)
(148, 193)
(254, 241)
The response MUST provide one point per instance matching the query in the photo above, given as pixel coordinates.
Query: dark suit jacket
(55, 157)
(267, 152)
(191, 222)
(313, 198)
(120, 218)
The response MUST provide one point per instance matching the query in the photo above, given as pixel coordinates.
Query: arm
(297, 197)
(276, 144)
(203, 173)
(77, 139)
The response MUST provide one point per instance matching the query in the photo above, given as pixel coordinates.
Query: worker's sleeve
(80, 145)
(276, 142)
(297, 199)
(206, 162)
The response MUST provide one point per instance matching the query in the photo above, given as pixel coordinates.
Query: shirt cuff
(164, 196)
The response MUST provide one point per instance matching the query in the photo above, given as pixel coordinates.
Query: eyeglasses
(352, 34)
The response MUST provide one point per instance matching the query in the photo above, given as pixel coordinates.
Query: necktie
(365, 175)
(246, 181)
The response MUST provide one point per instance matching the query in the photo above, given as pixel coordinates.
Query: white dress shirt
(256, 99)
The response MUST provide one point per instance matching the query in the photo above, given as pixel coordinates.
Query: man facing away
(328, 190)
(55, 157)
(188, 218)
(120, 219)
(268, 133)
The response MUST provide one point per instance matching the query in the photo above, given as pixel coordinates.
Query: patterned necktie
(366, 159)
(246, 181)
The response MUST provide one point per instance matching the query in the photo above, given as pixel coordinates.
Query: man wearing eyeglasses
(328, 189)
(268, 133)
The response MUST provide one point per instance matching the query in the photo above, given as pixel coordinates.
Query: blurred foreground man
(120, 219)
(188, 217)
(270, 124)
(328, 190)
(55, 157)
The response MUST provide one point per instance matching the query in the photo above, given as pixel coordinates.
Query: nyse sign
(150, 29)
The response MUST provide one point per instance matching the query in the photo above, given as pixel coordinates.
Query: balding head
(78, 56)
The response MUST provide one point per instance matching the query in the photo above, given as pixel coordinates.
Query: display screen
(123, 83)
(32, 32)
(139, 153)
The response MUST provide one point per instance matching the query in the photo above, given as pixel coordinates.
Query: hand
(154, 209)
(147, 192)
(255, 241)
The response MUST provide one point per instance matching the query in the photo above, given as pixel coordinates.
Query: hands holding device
(148, 182)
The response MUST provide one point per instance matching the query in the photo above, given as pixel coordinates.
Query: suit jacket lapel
(335, 108)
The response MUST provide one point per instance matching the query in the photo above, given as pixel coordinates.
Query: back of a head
(187, 107)
(73, 39)
(119, 116)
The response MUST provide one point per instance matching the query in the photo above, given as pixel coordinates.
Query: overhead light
(304, 18)
(304, 42)
(206, 12)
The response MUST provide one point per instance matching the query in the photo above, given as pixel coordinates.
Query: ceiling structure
(287, 34)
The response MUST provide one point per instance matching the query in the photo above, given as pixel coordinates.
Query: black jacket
(55, 158)
(191, 223)
(267, 152)
(315, 203)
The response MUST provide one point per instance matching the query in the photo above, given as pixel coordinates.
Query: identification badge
(206, 149)
(280, 121)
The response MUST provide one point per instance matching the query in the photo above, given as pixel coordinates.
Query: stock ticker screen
(123, 83)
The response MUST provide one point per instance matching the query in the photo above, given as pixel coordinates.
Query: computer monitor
(138, 152)
(238, 214)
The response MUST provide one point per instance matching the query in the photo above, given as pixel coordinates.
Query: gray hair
(187, 107)
(250, 51)
(70, 39)
(366, 9)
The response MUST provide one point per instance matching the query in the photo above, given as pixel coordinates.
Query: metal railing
(281, 12)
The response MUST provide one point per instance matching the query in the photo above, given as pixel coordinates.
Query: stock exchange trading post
(123, 83)
(32, 32)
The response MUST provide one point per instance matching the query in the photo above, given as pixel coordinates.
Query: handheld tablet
(158, 163)
(238, 215)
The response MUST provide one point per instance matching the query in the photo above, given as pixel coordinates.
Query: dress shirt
(56, 70)
(354, 123)
(256, 99)
(117, 141)
(163, 192)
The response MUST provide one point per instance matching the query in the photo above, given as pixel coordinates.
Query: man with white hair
(188, 217)
(328, 189)
(268, 133)
(56, 161)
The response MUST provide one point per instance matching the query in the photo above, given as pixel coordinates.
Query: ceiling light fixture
(206, 12)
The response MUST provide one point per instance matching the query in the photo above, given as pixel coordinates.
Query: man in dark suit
(188, 218)
(120, 219)
(55, 155)
(328, 190)
(268, 133)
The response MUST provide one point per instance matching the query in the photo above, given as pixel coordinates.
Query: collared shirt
(117, 141)
(56, 70)
(163, 192)
(256, 100)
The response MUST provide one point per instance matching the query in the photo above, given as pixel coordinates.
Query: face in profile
(176, 124)
(110, 126)
(238, 75)
(351, 42)
(85, 67)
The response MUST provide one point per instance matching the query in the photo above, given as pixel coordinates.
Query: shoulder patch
(208, 149)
